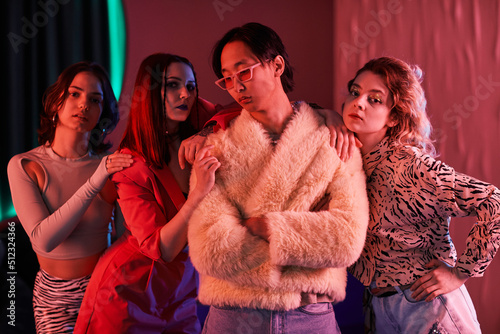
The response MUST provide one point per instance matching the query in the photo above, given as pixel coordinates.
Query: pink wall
(457, 44)
(191, 28)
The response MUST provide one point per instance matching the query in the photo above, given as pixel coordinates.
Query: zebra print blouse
(412, 197)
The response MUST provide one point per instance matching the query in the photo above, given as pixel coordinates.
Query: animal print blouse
(412, 197)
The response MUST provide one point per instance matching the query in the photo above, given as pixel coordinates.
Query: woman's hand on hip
(442, 279)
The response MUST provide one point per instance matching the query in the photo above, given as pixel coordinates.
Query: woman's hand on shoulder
(118, 161)
(204, 166)
(442, 279)
(189, 149)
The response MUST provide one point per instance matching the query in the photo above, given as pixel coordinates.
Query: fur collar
(259, 168)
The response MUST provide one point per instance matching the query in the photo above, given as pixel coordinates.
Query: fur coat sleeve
(282, 184)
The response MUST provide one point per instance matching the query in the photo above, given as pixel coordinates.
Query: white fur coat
(308, 251)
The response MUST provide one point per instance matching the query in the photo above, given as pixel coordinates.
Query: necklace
(275, 137)
(55, 154)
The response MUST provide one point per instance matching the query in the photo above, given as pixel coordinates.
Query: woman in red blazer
(145, 282)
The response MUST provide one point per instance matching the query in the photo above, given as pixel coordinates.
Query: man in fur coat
(266, 259)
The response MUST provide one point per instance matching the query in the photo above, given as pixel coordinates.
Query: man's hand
(188, 149)
(257, 226)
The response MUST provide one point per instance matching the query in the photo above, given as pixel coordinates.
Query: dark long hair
(265, 45)
(147, 123)
(55, 96)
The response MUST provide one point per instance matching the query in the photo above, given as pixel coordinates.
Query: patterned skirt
(56, 302)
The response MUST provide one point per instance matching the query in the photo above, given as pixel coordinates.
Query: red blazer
(131, 285)
(219, 116)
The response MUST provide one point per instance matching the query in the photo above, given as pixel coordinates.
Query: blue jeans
(314, 318)
(449, 313)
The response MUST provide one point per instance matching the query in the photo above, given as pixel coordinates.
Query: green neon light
(117, 40)
(9, 212)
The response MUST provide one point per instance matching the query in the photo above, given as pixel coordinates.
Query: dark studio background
(40, 39)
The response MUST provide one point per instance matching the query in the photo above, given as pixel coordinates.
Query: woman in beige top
(61, 192)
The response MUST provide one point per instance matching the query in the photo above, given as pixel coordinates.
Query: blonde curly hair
(412, 125)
